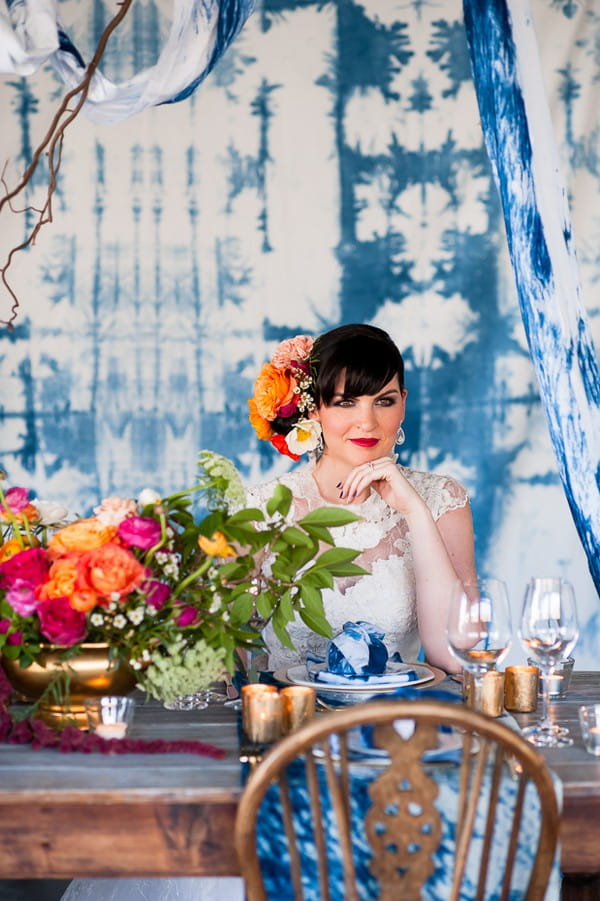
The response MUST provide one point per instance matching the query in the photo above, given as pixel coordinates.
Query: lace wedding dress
(387, 597)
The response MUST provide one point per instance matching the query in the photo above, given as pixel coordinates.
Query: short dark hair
(366, 354)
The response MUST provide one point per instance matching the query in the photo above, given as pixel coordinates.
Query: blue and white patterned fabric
(273, 850)
(358, 650)
(201, 31)
(520, 141)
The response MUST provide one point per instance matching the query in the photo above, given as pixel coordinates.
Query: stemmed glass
(549, 631)
(479, 628)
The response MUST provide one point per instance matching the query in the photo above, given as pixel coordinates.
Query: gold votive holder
(298, 706)
(521, 688)
(491, 699)
(262, 713)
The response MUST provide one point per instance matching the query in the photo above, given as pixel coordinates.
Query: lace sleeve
(441, 493)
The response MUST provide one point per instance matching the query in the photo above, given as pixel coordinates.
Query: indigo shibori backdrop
(331, 168)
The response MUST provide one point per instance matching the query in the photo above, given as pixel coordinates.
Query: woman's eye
(344, 402)
(386, 402)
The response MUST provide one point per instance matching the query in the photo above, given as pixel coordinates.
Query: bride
(343, 397)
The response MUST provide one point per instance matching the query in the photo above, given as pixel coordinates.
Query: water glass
(589, 720)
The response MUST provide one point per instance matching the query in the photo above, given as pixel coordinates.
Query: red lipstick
(365, 442)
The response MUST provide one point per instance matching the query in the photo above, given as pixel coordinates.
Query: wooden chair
(401, 824)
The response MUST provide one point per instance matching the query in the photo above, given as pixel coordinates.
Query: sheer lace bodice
(387, 596)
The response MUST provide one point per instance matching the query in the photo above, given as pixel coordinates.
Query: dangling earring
(320, 447)
(400, 436)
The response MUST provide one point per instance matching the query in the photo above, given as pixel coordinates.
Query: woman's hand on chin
(385, 477)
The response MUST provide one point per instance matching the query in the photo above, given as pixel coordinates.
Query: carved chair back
(400, 823)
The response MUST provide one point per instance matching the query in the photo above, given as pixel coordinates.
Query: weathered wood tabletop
(74, 814)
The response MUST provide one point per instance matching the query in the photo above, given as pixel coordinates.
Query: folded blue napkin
(358, 650)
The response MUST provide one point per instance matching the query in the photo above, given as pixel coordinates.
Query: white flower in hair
(304, 437)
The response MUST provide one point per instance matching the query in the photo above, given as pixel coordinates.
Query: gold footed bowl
(89, 674)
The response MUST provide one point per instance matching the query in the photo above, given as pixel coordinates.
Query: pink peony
(60, 623)
(16, 500)
(139, 531)
(113, 510)
(21, 597)
(29, 566)
(293, 349)
(187, 617)
(156, 593)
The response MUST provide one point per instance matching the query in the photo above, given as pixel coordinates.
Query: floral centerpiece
(172, 594)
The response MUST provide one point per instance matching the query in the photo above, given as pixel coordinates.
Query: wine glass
(479, 628)
(549, 631)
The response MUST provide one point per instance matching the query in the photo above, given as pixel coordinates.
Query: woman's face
(359, 429)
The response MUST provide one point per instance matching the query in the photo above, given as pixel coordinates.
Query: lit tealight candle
(555, 685)
(111, 730)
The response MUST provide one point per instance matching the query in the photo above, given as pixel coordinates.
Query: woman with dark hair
(342, 398)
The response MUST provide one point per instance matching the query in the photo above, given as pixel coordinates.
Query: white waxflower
(148, 496)
(135, 664)
(304, 437)
(119, 622)
(112, 606)
(136, 616)
(96, 619)
(115, 596)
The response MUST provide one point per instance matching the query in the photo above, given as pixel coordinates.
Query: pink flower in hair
(293, 350)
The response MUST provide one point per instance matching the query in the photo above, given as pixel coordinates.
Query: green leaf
(347, 569)
(329, 516)
(264, 605)
(281, 501)
(316, 622)
(319, 533)
(321, 578)
(286, 606)
(335, 556)
(241, 609)
(249, 514)
(310, 595)
(296, 537)
(282, 634)
(283, 570)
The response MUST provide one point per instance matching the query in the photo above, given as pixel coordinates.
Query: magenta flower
(15, 639)
(16, 500)
(139, 531)
(29, 566)
(4, 626)
(156, 593)
(60, 623)
(187, 617)
(21, 597)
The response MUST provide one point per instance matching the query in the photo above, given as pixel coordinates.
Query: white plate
(299, 676)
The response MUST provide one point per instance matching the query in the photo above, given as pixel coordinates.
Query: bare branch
(53, 141)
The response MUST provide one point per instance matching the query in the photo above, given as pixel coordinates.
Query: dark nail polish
(341, 493)
(339, 485)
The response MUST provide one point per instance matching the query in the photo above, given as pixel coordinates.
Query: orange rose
(262, 427)
(29, 513)
(63, 581)
(216, 546)
(110, 569)
(14, 546)
(80, 536)
(273, 389)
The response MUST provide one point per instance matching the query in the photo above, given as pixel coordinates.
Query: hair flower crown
(284, 398)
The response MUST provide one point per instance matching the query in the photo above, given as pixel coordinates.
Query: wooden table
(65, 815)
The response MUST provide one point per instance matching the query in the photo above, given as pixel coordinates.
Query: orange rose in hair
(14, 546)
(82, 535)
(110, 569)
(261, 426)
(273, 389)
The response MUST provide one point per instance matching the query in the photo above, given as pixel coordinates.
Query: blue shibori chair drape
(520, 142)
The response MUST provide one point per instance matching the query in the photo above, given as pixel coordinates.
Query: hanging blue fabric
(519, 137)
(201, 30)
